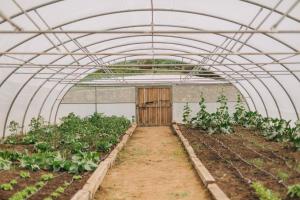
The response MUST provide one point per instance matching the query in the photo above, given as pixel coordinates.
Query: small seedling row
(237, 161)
(267, 153)
(236, 156)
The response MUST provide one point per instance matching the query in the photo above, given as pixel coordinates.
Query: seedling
(77, 177)
(282, 175)
(294, 191)
(24, 174)
(47, 177)
(6, 186)
(264, 193)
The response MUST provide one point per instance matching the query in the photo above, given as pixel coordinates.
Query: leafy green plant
(294, 191)
(220, 121)
(36, 123)
(24, 174)
(5, 164)
(239, 115)
(6, 186)
(14, 127)
(264, 193)
(77, 177)
(202, 119)
(10, 155)
(104, 145)
(186, 116)
(282, 175)
(46, 177)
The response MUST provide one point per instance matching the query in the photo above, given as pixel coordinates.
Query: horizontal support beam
(146, 32)
(78, 66)
(144, 54)
(173, 72)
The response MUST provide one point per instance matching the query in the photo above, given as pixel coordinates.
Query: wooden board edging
(206, 177)
(90, 187)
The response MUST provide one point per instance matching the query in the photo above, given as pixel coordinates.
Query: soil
(243, 157)
(153, 165)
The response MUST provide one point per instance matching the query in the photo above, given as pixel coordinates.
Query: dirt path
(153, 165)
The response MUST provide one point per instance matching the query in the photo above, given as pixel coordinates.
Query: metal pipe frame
(146, 54)
(274, 100)
(148, 32)
(211, 44)
(240, 85)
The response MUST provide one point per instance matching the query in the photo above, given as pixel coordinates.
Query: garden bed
(236, 160)
(38, 169)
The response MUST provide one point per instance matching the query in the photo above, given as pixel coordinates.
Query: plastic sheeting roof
(47, 46)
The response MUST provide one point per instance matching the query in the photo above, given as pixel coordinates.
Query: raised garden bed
(236, 160)
(81, 145)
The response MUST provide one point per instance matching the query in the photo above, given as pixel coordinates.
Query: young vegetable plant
(264, 193)
(13, 127)
(220, 121)
(239, 115)
(9, 186)
(186, 116)
(202, 119)
(5, 164)
(294, 191)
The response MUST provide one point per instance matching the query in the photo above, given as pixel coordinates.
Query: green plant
(239, 115)
(46, 177)
(10, 155)
(202, 117)
(9, 186)
(24, 174)
(36, 123)
(294, 135)
(186, 116)
(55, 194)
(77, 177)
(5, 164)
(294, 191)
(104, 145)
(25, 193)
(264, 193)
(257, 162)
(282, 175)
(14, 127)
(220, 121)
(13, 182)
(6, 186)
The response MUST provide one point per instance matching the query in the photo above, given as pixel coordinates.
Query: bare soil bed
(243, 157)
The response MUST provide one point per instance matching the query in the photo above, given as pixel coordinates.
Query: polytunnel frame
(170, 49)
(89, 70)
(249, 95)
(208, 64)
(266, 110)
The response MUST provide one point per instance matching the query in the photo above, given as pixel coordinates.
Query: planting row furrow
(243, 168)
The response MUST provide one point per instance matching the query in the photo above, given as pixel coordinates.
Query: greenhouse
(156, 99)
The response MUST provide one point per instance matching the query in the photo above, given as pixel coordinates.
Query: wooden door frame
(154, 86)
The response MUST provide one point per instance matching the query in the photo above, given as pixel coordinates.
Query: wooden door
(154, 107)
